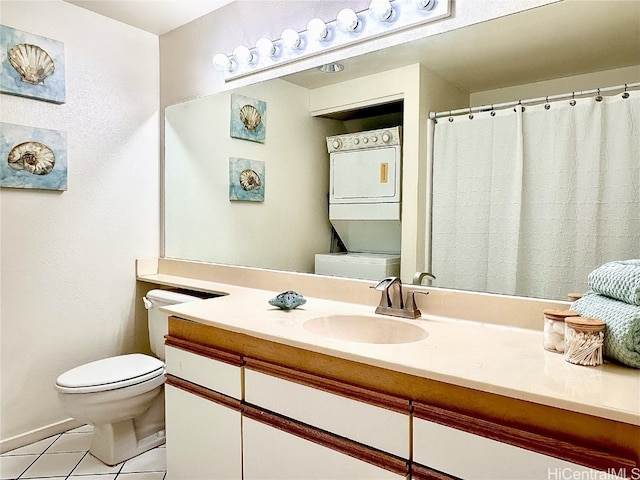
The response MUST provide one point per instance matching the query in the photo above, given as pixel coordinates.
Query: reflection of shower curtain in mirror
(529, 203)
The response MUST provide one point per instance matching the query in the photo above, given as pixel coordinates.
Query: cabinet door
(274, 454)
(203, 437)
(467, 455)
(374, 419)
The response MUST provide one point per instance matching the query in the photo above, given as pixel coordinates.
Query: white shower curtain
(528, 203)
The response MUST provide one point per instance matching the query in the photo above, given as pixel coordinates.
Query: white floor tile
(141, 476)
(94, 477)
(71, 442)
(152, 461)
(11, 466)
(34, 448)
(54, 464)
(90, 465)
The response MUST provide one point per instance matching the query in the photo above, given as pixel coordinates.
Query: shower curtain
(530, 202)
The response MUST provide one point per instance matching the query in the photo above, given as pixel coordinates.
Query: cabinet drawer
(379, 421)
(214, 374)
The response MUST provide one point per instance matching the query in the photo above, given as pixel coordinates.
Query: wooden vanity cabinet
(203, 413)
(286, 421)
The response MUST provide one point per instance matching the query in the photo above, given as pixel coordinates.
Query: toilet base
(113, 443)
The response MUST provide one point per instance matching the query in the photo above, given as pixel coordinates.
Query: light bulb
(381, 9)
(266, 48)
(317, 29)
(347, 20)
(291, 39)
(243, 55)
(222, 63)
(425, 4)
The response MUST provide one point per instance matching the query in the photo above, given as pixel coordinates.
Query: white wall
(68, 258)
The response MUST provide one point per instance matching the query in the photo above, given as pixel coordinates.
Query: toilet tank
(159, 321)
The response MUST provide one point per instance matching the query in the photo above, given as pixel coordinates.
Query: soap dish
(288, 300)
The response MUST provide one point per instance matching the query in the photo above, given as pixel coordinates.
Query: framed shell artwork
(32, 157)
(248, 118)
(31, 66)
(246, 179)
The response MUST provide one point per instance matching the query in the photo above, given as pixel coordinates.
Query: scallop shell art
(250, 117)
(249, 179)
(32, 62)
(34, 157)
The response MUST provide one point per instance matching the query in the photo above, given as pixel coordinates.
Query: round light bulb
(425, 4)
(222, 63)
(381, 9)
(243, 55)
(291, 39)
(347, 20)
(266, 47)
(317, 29)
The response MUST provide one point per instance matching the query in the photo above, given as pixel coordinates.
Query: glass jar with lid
(585, 340)
(553, 332)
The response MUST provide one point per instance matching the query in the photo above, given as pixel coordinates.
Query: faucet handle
(418, 276)
(410, 305)
(385, 283)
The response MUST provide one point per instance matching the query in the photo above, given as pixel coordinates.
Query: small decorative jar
(585, 340)
(553, 333)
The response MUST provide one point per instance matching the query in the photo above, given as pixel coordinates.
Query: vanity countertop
(507, 361)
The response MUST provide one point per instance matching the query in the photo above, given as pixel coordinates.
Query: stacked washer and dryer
(365, 204)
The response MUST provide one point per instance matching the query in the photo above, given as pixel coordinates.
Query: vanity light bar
(381, 18)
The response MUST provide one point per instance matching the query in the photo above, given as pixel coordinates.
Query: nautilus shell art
(250, 117)
(32, 62)
(34, 157)
(249, 179)
(288, 300)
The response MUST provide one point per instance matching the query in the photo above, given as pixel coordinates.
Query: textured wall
(68, 258)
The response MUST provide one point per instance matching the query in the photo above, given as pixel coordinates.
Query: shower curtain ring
(573, 99)
(450, 117)
(470, 114)
(493, 112)
(546, 105)
(598, 98)
(625, 94)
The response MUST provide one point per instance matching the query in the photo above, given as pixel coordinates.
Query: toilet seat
(110, 374)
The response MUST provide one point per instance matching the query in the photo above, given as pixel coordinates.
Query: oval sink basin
(365, 329)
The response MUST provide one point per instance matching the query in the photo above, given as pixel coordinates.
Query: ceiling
(154, 16)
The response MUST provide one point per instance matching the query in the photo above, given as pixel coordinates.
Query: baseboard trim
(38, 434)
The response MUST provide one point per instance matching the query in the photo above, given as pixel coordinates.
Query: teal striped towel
(622, 334)
(619, 280)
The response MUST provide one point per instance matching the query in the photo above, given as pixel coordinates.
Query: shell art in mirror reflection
(249, 179)
(246, 179)
(32, 62)
(34, 157)
(248, 118)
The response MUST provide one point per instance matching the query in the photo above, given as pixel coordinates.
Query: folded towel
(622, 334)
(619, 280)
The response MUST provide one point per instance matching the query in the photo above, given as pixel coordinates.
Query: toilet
(123, 396)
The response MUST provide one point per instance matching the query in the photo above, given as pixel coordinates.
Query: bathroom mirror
(290, 225)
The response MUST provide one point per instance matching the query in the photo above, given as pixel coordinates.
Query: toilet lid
(111, 373)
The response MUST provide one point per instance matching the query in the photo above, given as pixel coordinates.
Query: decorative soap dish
(288, 300)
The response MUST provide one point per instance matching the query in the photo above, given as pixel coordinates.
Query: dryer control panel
(362, 140)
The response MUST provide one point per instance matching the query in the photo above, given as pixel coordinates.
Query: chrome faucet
(392, 302)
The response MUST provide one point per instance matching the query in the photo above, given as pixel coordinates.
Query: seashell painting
(32, 157)
(32, 62)
(31, 65)
(246, 179)
(248, 117)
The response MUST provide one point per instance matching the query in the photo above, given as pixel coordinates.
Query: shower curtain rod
(532, 101)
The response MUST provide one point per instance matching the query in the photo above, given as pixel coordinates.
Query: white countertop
(503, 360)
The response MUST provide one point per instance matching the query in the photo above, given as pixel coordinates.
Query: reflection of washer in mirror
(364, 204)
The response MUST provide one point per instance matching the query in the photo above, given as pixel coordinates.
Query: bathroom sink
(365, 329)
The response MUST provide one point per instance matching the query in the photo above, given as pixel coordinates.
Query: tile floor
(66, 456)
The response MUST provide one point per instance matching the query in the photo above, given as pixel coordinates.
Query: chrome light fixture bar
(381, 18)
